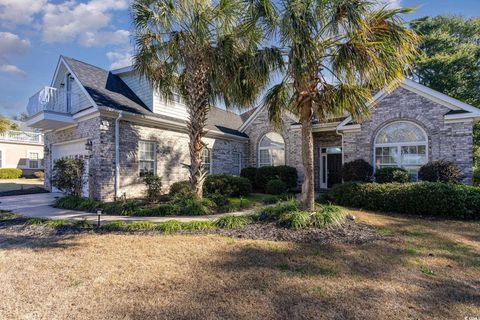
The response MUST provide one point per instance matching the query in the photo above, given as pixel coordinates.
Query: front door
(334, 165)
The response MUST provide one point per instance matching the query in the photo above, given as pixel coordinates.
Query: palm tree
(338, 52)
(206, 51)
(6, 125)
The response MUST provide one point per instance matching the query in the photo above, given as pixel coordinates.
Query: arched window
(271, 150)
(401, 144)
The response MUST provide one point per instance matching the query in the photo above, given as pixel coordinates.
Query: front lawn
(413, 268)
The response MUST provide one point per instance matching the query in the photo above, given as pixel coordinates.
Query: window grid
(237, 163)
(206, 161)
(147, 157)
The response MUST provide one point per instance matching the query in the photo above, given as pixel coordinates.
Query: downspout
(117, 155)
(343, 151)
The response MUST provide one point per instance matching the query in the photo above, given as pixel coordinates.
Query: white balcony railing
(21, 136)
(47, 99)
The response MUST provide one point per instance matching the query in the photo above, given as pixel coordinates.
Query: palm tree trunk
(308, 191)
(198, 107)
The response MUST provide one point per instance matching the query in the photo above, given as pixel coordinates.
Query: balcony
(21, 137)
(48, 109)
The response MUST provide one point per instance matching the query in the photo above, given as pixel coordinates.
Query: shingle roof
(108, 90)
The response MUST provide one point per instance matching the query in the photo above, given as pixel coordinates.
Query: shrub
(476, 176)
(198, 225)
(227, 185)
(68, 202)
(327, 216)
(170, 226)
(36, 221)
(88, 204)
(219, 199)
(179, 187)
(124, 208)
(387, 175)
(187, 204)
(295, 220)
(357, 170)
(439, 171)
(274, 212)
(275, 187)
(154, 186)
(10, 173)
(141, 225)
(288, 175)
(425, 198)
(115, 225)
(232, 222)
(265, 174)
(39, 174)
(157, 211)
(250, 173)
(67, 176)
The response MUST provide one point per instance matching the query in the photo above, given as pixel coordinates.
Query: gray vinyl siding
(79, 99)
(140, 86)
(171, 109)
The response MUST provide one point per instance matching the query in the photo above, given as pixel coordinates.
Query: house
(121, 126)
(22, 149)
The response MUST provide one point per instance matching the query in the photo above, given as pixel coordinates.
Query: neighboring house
(22, 149)
(121, 126)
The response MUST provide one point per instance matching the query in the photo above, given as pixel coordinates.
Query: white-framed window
(147, 157)
(401, 144)
(271, 150)
(33, 160)
(237, 163)
(206, 160)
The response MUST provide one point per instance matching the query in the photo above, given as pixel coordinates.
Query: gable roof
(458, 109)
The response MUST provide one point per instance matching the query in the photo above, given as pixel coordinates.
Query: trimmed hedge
(179, 187)
(10, 173)
(357, 170)
(388, 175)
(227, 185)
(439, 171)
(285, 173)
(250, 173)
(424, 198)
(276, 187)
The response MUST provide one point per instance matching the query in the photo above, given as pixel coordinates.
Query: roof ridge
(89, 64)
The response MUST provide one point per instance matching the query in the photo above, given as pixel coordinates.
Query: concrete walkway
(40, 206)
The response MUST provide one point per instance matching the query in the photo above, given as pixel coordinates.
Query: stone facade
(171, 153)
(446, 140)
(292, 136)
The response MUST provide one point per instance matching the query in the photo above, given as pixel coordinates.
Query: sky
(34, 33)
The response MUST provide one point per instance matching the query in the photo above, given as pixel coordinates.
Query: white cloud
(120, 59)
(11, 46)
(70, 21)
(390, 3)
(16, 12)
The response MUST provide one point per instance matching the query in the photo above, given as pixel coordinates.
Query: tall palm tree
(338, 52)
(205, 50)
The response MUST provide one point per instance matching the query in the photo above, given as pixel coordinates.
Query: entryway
(330, 166)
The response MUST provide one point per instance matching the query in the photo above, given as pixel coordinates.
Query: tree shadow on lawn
(265, 280)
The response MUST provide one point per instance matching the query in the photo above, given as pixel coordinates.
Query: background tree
(6, 124)
(338, 52)
(205, 51)
(450, 61)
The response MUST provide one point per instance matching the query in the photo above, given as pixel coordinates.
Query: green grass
(83, 224)
(327, 216)
(273, 213)
(295, 220)
(427, 271)
(114, 225)
(198, 225)
(171, 226)
(141, 225)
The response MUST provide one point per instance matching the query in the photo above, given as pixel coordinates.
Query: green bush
(388, 175)
(170, 226)
(10, 173)
(67, 176)
(88, 204)
(219, 199)
(250, 173)
(154, 186)
(227, 185)
(275, 187)
(274, 212)
(439, 171)
(141, 225)
(232, 222)
(288, 175)
(198, 225)
(124, 208)
(327, 216)
(425, 198)
(295, 220)
(115, 225)
(265, 174)
(186, 204)
(68, 202)
(179, 187)
(157, 211)
(357, 170)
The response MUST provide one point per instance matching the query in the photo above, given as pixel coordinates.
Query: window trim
(259, 165)
(239, 162)
(399, 145)
(154, 156)
(210, 153)
(38, 160)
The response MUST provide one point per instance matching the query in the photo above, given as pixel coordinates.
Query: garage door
(73, 150)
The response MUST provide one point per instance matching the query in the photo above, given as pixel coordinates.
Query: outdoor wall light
(89, 145)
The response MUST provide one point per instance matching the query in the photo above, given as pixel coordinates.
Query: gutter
(117, 154)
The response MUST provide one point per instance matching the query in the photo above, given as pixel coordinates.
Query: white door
(73, 150)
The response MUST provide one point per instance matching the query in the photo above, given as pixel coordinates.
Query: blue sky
(33, 33)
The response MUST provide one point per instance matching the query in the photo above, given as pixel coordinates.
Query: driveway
(40, 206)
